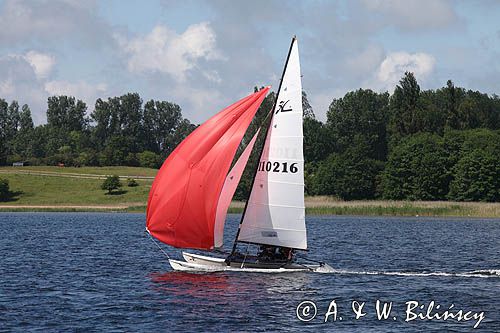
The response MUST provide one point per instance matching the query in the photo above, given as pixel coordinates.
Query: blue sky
(203, 55)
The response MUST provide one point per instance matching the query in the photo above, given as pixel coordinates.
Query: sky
(204, 55)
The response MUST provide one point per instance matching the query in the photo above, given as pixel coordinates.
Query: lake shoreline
(314, 206)
(71, 189)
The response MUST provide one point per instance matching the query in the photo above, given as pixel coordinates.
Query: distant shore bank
(55, 189)
(314, 206)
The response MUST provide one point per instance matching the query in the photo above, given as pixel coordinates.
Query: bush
(86, 158)
(4, 189)
(132, 182)
(148, 159)
(131, 160)
(111, 183)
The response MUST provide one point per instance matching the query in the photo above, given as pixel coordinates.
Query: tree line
(119, 131)
(441, 144)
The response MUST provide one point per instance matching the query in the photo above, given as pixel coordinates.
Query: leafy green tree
(103, 117)
(181, 132)
(161, 119)
(307, 109)
(116, 151)
(429, 115)
(87, 157)
(111, 183)
(13, 120)
(452, 119)
(24, 137)
(404, 104)
(123, 128)
(417, 169)
(362, 114)
(25, 120)
(9, 126)
(486, 109)
(4, 189)
(317, 140)
(131, 118)
(476, 177)
(66, 113)
(3, 130)
(458, 143)
(467, 116)
(66, 121)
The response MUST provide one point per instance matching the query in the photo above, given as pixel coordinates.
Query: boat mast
(294, 38)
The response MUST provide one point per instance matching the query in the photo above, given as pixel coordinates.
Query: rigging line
(245, 258)
(155, 243)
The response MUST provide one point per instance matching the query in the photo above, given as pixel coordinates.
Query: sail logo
(281, 107)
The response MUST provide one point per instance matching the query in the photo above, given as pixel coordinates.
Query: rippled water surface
(99, 272)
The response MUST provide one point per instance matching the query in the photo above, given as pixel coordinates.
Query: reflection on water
(233, 284)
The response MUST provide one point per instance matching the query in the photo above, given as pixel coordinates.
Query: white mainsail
(275, 213)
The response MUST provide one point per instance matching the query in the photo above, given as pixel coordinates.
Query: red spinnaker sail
(183, 199)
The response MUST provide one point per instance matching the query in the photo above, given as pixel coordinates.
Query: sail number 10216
(284, 167)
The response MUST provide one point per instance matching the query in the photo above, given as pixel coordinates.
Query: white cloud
(18, 81)
(396, 64)
(200, 102)
(24, 78)
(6, 87)
(366, 60)
(41, 63)
(165, 51)
(81, 90)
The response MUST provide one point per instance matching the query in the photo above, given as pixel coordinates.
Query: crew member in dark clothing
(267, 253)
(285, 254)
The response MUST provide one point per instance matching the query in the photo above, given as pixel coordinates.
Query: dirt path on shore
(82, 207)
(70, 175)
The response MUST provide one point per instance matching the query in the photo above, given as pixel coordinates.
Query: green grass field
(79, 189)
(53, 190)
(120, 170)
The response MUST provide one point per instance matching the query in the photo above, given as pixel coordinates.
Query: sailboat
(190, 196)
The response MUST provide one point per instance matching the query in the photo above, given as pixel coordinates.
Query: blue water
(99, 272)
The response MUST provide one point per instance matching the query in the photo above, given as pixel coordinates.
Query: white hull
(203, 260)
(198, 263)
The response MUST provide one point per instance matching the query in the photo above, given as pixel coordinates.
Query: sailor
(285, 254)
(267, 253)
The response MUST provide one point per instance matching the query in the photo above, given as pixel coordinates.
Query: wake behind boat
(189, 198)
